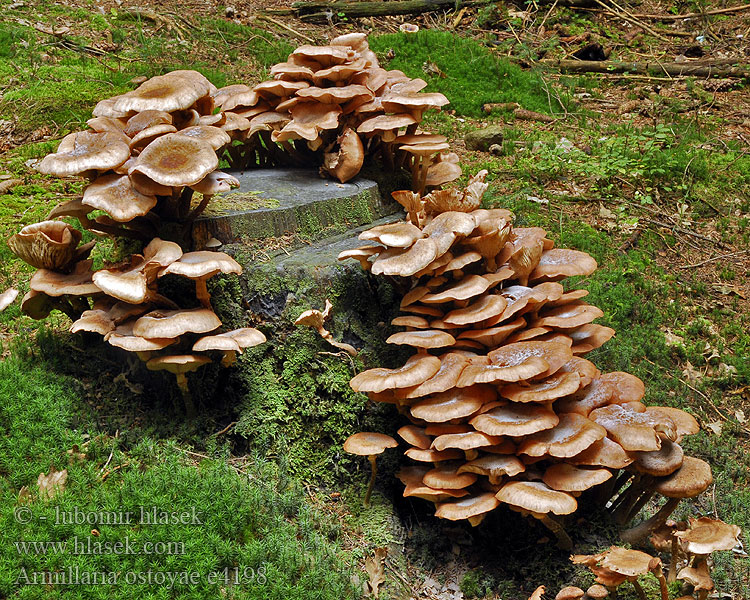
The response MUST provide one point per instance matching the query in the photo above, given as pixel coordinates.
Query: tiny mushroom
(369, 444)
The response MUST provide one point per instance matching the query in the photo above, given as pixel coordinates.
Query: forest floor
(647, 172)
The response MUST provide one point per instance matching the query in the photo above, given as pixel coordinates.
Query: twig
(627, 16)
(714, 258)
(685, 232)
(223, 431)
(117, 468)
(286, 27)
(544, 20)
(717, 11)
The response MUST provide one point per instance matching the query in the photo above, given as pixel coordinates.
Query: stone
(482, 139)
(275, 202)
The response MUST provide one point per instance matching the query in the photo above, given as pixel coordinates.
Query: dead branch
(673, 69)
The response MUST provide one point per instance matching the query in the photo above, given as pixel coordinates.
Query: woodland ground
(649, 174)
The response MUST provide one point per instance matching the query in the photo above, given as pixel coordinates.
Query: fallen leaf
(75, 455)
(740, 416)
(7, 298)
(673, 339)
(606, 213)
(716, 427)
(375, 571)
(52, 484)
(691, 374)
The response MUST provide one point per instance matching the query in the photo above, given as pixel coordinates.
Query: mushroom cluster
(503, 408)
(334, 106)
(147, 151)
(123, 303)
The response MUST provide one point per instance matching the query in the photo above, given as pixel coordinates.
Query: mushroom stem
(187, 398)
(563, 539)
(612, 488)
(183, 204)
(642, 530)
(198, 210)
(663, 588)
(229, 358)
(638, 589)
(372, 458)
(201, 292)
(672, 573)
(642, 501)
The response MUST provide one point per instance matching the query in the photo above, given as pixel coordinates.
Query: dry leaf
(691, 374)
(375, 571)
(716, 427)
(7, 298)
(52, 484)
(75, 455)
(740, 416)
(673, 339)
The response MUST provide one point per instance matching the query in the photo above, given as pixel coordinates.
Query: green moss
(473, 75)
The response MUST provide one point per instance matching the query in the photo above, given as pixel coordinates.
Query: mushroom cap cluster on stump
(335, 107)
(503, 408)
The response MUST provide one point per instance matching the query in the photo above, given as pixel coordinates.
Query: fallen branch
(327, 11)
(286, 27)
(673, 69)
(530, 115)
(684, 232)
(628, 16)
(713, 259)
(717, 11)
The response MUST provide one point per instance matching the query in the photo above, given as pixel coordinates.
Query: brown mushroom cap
(568, 316)
(178, 364)
(415, 436)
(611, 388)
(589, 337)
(177, 90)
(367, 443)
(561, 384)
(559, 263)
(115, 195)
(469, 440)
(433, 456)
(86, 151)
(95, 321)
(418, 369)
(453, 404)
(202, 263)
(236, 340)
(706, 535)
(569, 593)
(451, 366)
(603, 453)
(465, 289)
(699, 576)
(485, 308)
(571, 436)
(77, 283)
(445, 477)
(347, 162)
(46, 245)
(685, 423)
(565, 477)
(466, 508)
(624, 561)
(494, 466)
(176, 160)
(411, 477)
(632, 427)
(173, 323)
(691, 479)
(394, 235)
(515, 420)
(408, 262)
(123, 337)
(597, 592)
(428, 338)
(662, 462)
(536, 497)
